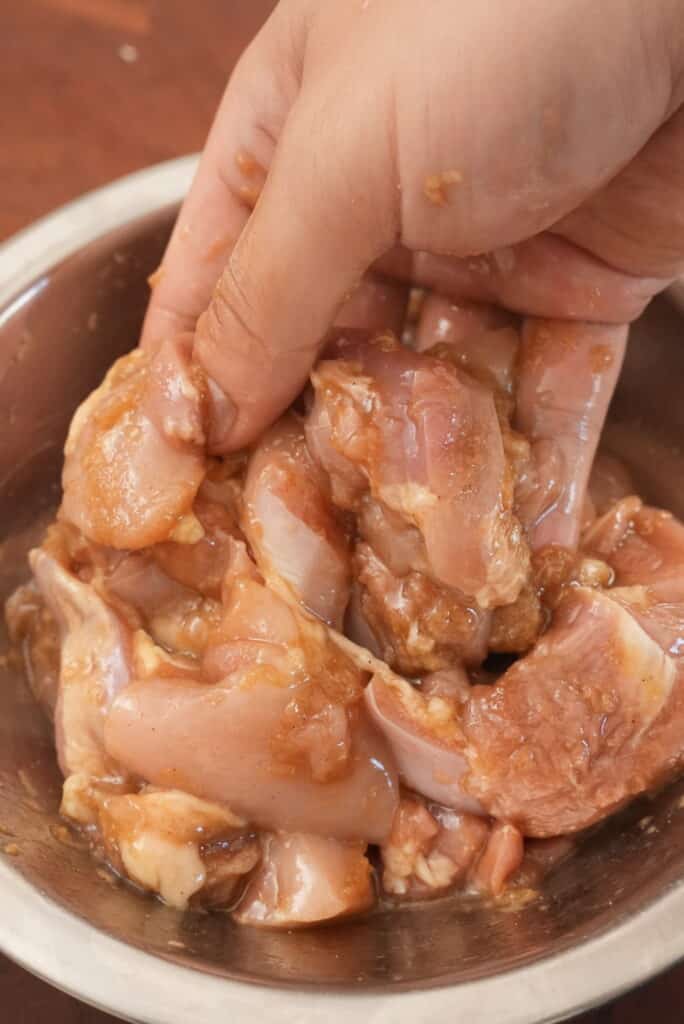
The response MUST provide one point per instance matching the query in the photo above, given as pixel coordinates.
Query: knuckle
(233, 316)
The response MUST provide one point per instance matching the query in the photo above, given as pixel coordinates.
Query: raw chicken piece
(379, 426)
(257, 627)
(647, 556)
(291, 525)
(452, 683)
(303, 879)
(168, 842)
(396, 543)
(442, 319)
(605, 534)
(502, 857)
(400, 612)
(150, 661)
(515, 627)
(217, 742)
(430, 849)
(228, 865)
(158, 839)
(373, 306)
(489, 357)
(426, 738)
(649, 550)
(175, 615)
(479, 338)
(138, 591)
(282, 738)
(417, 624)
(94, 666)
(566, 378)
(645, 547)
(34, 631)
(134, 458)
(201, 565)
(326, 424)
(588, 705)
(138, 581)
(424, 440)
(561, 741)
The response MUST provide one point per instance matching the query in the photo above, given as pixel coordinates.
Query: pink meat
(282, 738)
(418, 625)
(134, 459)
(566, 377)
(564, 738)
(479, 338)
(303, 879)
(217, 742)
(427, 741)
(430, 849)
(502, 857)
(291, 524)
(567, 735)
(95, 666)
(424, 440)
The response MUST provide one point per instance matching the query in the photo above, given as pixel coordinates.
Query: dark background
(91, 90)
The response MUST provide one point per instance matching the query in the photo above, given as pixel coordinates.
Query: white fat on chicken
(430, 849)
(158, 838)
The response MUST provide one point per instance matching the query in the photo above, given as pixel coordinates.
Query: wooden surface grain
(93, 89)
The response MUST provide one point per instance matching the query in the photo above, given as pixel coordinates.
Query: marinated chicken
(275, 676)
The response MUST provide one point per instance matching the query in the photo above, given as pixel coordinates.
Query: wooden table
(90, 90)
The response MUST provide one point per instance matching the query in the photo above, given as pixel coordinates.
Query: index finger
(229, 177)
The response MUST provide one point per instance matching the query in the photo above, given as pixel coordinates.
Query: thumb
(323, 216)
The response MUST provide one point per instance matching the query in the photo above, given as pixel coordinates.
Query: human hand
(414, 139)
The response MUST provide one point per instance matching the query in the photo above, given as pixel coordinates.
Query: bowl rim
(55, 944)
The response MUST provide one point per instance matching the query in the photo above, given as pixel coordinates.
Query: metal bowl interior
(57, 336)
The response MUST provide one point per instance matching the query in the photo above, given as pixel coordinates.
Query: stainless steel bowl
(72, 294)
